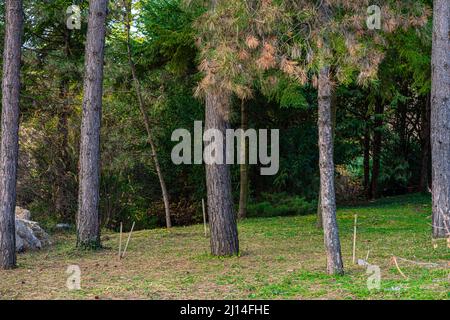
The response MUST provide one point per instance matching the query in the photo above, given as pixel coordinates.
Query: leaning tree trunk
(425, 144)
(377, 141)
(62, 159)
(137, 85)
(10, 131)
(243, 196)
(224, 234)
(326, 163)
(440, 118)
(88, 222)
(366, 144)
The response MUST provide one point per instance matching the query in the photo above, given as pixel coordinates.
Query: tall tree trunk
(376, 156)
(88, 222)
(137, 85)
(243, 196)
(224, 234)
(440, 118)
(326, 163)
(10, 131)
(319, 220)
(426, 143)
(367, 161)
(222, 220)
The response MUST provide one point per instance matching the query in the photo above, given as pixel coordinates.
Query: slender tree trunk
(326, 163)
(62, 164)
(377, 141)
(224, 234)
(10, 131)
(440, 118)
(88, 222)
(62, 158)
(426, 143)
(137, 85)
(367, 161)
(243, 196)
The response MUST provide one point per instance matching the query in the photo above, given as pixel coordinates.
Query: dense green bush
(280, 204)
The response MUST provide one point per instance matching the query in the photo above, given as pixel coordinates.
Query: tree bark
(137, 85)
(88, 222)
(222, 220)
(224, 234)
(243, 196)
(326, 163)
(319, 220)
(440, 119)
(426, 143)
(376, 156)
(10, 131)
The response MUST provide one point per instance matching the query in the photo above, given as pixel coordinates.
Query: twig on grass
(394, 259)
(425, 264)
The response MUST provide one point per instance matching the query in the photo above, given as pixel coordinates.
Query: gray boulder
(25, 238)
(29, 235)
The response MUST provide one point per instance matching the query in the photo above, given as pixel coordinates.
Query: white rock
(22, 213)
(25, 233)
(29, 235)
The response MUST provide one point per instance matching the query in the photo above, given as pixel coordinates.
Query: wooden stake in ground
(354, 239)
(120, 240)
(128, 241)
(204, 217)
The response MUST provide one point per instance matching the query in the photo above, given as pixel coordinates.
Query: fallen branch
(429, 264)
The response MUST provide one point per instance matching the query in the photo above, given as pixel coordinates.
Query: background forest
(382, 139)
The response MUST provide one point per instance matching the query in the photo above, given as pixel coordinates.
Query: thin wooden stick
(354, 239)
(128, 241)
(204, 218)
(120, 241)
(398, 268)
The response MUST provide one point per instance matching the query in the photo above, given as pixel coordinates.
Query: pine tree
(10, 131)
(88, 222)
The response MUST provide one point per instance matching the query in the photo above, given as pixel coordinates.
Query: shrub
(280, 204)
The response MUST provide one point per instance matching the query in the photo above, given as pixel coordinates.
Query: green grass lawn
(281, 258)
